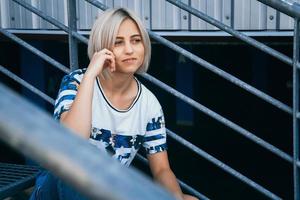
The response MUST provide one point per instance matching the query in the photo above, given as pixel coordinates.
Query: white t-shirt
(120, 132)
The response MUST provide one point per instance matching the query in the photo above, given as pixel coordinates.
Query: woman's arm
(162, 173)
(79, 116)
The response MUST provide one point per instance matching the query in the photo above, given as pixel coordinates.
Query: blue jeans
(49, 187)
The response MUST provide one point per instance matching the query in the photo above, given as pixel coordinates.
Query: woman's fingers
(101, 60)
(110, 62)
(111, 58)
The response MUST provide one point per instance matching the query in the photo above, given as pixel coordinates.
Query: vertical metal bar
(296, 109)
(73, 43)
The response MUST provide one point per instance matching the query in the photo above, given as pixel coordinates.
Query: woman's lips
(129, 60)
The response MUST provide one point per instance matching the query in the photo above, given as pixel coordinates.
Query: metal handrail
(210, 158)
(235, 81)
(26, 84)
(84, 166)
(52, 102)
(205, 110)
(222, 165)
(221, 119)
(212, 67)
(182, 184)
(289, 7)
(35, 51)
(199, 152)
(296, 170)
(51, 20)
(188, 100)
(233, 32)
(223, 74)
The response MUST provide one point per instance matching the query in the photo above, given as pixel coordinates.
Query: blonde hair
(105, 30)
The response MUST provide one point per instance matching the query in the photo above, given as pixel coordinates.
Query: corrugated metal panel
(155, 14)
(55, 9)
(35, 19)
(165, 16)
(140, 7)
(146, 13)
(217, 9)
(285, 22)
(242, 14)
(271, 18)
(258, 13)
(88, 13)
(4, 13)
(184, 18)
(253, 15)
(19, 17)
(226, 12)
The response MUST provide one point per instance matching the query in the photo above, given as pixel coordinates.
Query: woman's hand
(101, 60)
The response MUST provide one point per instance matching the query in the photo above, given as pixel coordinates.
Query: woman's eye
(136, 41)
(118, 43)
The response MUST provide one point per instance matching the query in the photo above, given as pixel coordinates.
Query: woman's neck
(117, 83)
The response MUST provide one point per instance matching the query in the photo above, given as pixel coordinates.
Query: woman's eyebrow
(132, 36)
(136, 35)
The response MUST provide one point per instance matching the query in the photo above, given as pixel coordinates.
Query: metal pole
(181, 183)
(51, 20)
(289, 7)
(35, 51)
(296, 110)
(233, 32)
(73, 44)
(26, 85)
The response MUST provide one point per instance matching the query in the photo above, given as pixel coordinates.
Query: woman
(106, 104)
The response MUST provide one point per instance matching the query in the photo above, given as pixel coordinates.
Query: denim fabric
(45, 187)
(49, 187)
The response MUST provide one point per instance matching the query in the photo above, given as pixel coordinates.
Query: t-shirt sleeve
(66, 95)
(155, 137)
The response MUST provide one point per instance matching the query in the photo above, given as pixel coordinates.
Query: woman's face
(128, 49)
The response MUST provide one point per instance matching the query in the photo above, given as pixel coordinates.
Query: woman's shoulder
(149, 96)
(75, 75)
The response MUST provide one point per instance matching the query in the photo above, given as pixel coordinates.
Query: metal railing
(296, 110)
(91, 171)
(287, 7)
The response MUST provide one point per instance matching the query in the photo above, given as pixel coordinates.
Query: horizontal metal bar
(98, 4)
(181, 183)
(26, 84)
(267, 33)
(220, 118)
(223, 74)
(288, 7)
(233, 32)
(35, 50)
(90, 170)
(222, 165)
(51, 20)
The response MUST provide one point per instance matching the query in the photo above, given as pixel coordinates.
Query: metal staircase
(290, 8)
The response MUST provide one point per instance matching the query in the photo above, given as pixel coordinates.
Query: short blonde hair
(105, 30)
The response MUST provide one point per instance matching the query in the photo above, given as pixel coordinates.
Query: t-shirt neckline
(110, 105)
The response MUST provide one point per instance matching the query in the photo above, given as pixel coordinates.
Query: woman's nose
(128, 48)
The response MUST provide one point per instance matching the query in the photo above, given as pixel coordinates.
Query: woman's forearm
(79, 117)
(167, 179)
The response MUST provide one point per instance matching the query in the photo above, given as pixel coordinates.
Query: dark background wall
(248, 64)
